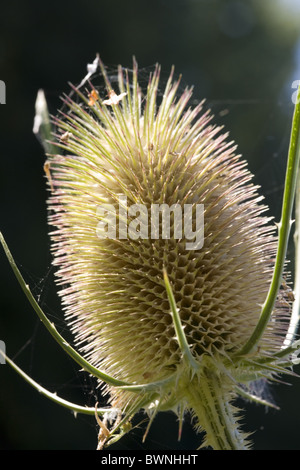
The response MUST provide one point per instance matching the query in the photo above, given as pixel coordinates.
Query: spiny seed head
(127, 146)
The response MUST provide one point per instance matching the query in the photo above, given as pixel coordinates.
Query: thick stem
(211, 406)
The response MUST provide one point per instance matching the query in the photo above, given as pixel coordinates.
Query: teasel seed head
(128, 146)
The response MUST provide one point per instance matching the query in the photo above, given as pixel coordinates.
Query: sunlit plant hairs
(163, 327)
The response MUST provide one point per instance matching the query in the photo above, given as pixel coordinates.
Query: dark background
(242, 56)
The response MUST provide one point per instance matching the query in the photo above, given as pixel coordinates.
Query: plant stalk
(212, 409)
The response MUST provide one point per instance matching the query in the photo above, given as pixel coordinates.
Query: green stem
(295, 317)
(283, 231)
(217, 417)
(53, 396)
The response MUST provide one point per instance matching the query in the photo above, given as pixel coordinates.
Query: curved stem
(53, 396)
(283, 231)
(148, 387)
(295, 317)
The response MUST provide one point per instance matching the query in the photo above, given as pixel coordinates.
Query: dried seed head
(131, 149)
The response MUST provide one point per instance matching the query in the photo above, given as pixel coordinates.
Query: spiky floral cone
(127, 147)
